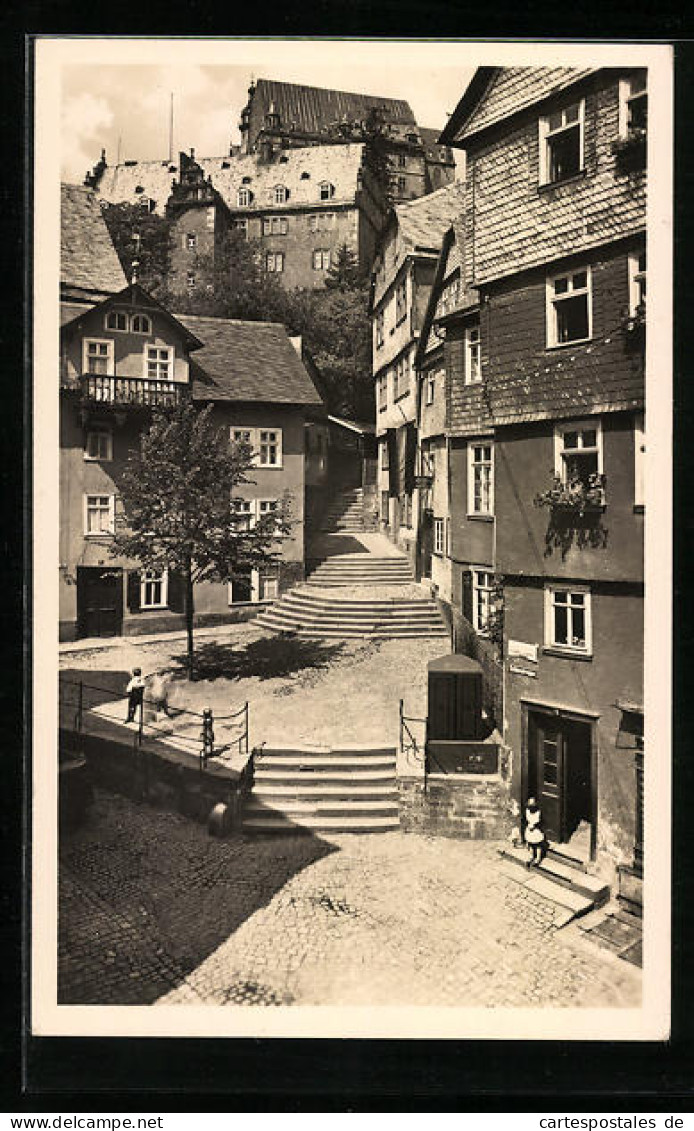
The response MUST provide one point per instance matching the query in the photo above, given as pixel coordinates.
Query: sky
(125, 107)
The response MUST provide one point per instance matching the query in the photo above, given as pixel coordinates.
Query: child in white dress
(534, 833)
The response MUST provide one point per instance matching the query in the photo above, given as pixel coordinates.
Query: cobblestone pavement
(153, 909)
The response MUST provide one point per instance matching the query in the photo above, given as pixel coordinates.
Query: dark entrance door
(426, 544)
(99, 601)
(559, 772)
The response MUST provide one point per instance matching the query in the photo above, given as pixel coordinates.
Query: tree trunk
(189, 617)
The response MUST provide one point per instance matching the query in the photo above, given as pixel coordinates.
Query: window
(147, 204)
(243, 508)
(400, 378)
(99, 511)
(633, 105)
(578, 451)
(402, 183)
(385, 502)
(190, 280)
(379, 330)
(281, 194)
(321, 259)
(480, 479)
(244, 197)
(382, 386)
(473, 369)
(569, 316)
(438, 535)
(159, 363)
(326, 190)
(402, 160)
(154, 589)
(568, 618)
(384, 455)
(141, 324)
(242, 436)
(97, 356)
(266, 507)
(274, 261)
(406, 510)
(401, 301)
(275, 226)
(116, 320)
(430, 385)
(240, 226)
(268, 586)
(191, 241)
(99, 444)
(639, 461)
(637, 284)
(561, 144)
(482, 589)
(270, 448)
(209, 219)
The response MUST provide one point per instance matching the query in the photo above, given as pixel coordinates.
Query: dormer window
(244, 197)
(305, 176)
(561, 144)
(147, 204)
(246, 180)
(281, 194)
(116, 320)
(191, 241)
(141, 324)
(327, 191)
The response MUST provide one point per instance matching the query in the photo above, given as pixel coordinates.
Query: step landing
(573, 890)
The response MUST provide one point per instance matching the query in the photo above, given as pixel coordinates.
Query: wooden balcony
(130, 392)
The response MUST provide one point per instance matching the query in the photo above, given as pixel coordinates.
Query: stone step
(327, 765)
(318, 750)
(276, 823)
(301, 790)
(316, 806)
(353, 633)
(353, 616)
(325, 777)
(578, 880)
(315, 600)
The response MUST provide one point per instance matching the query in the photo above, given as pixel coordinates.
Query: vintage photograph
(345, 452)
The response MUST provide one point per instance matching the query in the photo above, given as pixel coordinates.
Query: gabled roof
(136, 296)
(88, 260)
(312, 109)
(495, 93)
(247, 361)
(337, 164)
(424, 221)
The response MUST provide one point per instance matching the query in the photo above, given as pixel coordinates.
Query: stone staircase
(362, 569)
(345, 513)
(560, 879)
(315, 612)
(320, 789)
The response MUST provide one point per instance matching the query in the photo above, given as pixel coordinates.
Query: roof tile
(88, 259)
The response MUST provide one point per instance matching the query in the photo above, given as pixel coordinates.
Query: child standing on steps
(136, 693)
(534, 833)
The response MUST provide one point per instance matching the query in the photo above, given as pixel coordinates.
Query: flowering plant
(575, 495)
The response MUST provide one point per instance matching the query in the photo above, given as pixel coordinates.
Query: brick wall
(468, 806)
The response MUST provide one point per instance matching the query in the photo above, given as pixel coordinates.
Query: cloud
(84, 120)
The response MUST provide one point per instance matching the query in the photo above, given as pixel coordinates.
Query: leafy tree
(344, 273)
(142, 235)
(179, 500)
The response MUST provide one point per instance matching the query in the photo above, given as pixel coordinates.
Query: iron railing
(408, 742)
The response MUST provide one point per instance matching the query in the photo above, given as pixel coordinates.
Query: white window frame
(625, 97)
(379, 329)
(190, 241)
(143, 318)
(382, 389)
(151, 577)
(384, 461)
(111, 513)
(158, 362)
(593, 424)
(326, 190)
(639, 460)
(274, 505)
(240, 225)
(636, 275)
(553, 588)
(545, 136)
(244, 196)
(470, 344)
(321, 259)
(553, 300)
(439, 547)
(274, 262)
(280, 194)
(401, 301)
(103, 433)
(277, 432)
(246, 508)
(117, 314)
(480, 624)
(110, 367)
(241, 435)
(472, 464)
(430, 387)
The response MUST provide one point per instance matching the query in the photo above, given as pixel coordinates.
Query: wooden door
(99, 601)
(547, 777)
(426, 543)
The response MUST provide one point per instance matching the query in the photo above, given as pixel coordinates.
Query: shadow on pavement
(146, 896)
(327, 545)
(266, 658)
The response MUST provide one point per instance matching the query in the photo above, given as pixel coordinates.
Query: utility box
(455, 700)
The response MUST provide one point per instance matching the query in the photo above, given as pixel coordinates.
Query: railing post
(79, 710)
(247, 728)
(401, 707)
(206, 737)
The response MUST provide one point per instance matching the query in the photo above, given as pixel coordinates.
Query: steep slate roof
(338, 164)
(88, 259)
(314, 108)
(424, 221)
(495, 93)
(432, 148)
(247, 361)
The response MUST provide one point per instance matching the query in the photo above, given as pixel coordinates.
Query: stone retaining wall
(469, 806)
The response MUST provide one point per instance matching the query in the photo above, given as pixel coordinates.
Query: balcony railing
(130, 391)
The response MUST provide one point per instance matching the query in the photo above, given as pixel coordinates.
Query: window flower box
(630, 151)
(575, 497)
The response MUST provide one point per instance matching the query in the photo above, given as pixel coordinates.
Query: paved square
(154, 910)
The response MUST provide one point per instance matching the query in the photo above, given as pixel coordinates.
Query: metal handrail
(405, 730)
